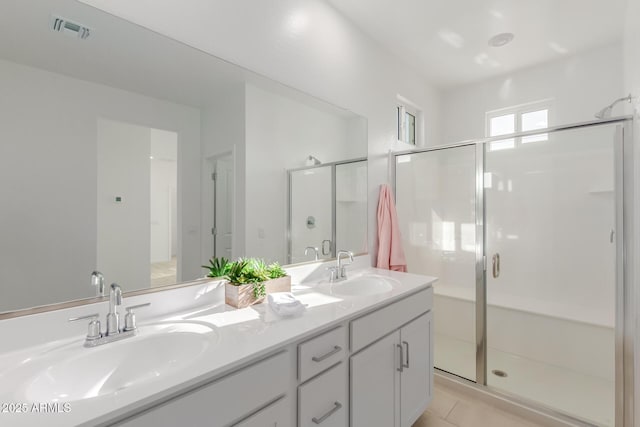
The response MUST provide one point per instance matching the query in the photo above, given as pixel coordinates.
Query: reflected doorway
(137, 232)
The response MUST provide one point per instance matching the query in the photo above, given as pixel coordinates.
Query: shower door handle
(495, 265)
(328, 248)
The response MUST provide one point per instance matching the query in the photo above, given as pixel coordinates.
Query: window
(521, 118)
(407, 117)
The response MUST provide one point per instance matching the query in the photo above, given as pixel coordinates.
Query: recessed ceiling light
(501, 39)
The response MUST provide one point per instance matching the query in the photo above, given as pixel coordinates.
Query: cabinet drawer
(277, 414)
(373, 326)
(324, 401)
(223, 401)
(321, 352)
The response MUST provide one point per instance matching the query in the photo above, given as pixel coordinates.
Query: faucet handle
(333, 273)
(88, 316)
(93, 331)
(130, 317)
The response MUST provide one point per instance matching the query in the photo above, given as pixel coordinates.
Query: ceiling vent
(73, 29)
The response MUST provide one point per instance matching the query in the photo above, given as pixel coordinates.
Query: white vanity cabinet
(392, 378)
(234, 399)
(375, 370)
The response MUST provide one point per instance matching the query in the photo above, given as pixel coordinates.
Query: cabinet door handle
(407, 364)
(336, 349)
(336, 407)
(401, 368)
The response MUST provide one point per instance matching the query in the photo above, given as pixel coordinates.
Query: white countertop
(238, 336)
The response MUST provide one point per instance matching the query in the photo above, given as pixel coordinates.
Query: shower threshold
(584, 396)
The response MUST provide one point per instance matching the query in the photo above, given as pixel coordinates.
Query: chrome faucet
(311, 248)
(95, 336)
(339, 271)
(97, 281)
(342, 268)
(113, 318)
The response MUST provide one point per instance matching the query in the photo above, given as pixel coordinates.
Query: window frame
(404, 107)
(518, 111)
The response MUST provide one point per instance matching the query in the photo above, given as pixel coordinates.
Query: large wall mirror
(129, 153)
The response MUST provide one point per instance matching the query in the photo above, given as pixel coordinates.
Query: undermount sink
(362, 285)
(72, 372)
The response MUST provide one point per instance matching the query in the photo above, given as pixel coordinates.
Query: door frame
(212, 170)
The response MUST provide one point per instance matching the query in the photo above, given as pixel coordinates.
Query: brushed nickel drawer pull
(407, 364)
(336, 349)
(401, 368)
(336, 407)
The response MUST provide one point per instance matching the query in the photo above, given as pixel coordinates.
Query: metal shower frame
(624, 320)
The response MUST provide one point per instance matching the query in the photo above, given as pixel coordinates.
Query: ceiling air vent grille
(62, 25)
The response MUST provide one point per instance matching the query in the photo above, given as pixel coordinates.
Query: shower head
(605, 113)
(313, 161)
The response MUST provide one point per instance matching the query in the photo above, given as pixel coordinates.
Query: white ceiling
(447, 40)
(125, 56)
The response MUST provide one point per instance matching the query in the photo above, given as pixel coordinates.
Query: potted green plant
(251, 279)
(218, 267)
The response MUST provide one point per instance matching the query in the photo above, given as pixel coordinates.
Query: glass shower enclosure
(525, 236)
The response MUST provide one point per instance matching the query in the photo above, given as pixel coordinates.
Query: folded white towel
(285, 304)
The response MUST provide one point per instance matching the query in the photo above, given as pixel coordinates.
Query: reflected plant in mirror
(142, 179)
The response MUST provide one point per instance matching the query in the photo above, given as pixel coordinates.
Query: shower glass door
(436, 202)
(551, 269)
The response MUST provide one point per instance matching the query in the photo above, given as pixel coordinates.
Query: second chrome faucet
(339, 272)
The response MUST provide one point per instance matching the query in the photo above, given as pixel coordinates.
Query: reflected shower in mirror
(326, 207)
(137, 156)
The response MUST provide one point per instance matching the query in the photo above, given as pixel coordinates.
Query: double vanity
(361, 355)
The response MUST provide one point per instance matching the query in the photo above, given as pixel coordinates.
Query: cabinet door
(375, 383)
(416, 379)
(278, 414)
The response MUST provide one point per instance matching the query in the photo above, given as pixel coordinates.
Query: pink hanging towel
(390, 252)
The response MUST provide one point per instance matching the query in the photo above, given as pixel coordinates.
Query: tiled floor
(452, 409)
